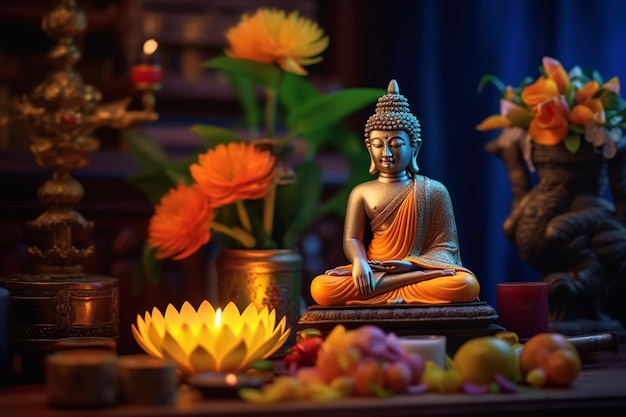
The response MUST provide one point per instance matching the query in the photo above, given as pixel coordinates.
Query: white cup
(429, 347)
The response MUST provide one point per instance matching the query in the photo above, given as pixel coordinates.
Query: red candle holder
(146, 73)
(523, 307)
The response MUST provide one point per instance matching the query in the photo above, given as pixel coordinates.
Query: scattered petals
(504, 384)
(473, 388)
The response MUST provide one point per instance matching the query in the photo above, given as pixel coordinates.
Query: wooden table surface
(600, 390)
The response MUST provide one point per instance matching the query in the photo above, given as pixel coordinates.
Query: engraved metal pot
(266, 278)
(44, 309)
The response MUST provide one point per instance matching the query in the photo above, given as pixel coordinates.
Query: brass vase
(266, 278)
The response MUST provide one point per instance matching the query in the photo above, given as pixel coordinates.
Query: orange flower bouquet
(561, 107)
(243, 191)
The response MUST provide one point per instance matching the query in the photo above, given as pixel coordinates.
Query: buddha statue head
(392, 114)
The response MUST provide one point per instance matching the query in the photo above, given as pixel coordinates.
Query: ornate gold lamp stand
(58, 300)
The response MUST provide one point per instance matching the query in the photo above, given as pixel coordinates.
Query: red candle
(147, 71)
(523, 307)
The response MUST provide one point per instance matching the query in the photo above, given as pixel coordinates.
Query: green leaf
(151, 265)
(596, 76)
(245, 93)
(323, 111)
(611, 101)
(214, 135)
(153, 183)
(146, 151)
(490, 78)
(577, 129)
(349, 144)
(138, 278)
(297, 204)
(358, 161)
(264, 74)
(295, 90)
(179, 172)
(148, 267)
(572, 143)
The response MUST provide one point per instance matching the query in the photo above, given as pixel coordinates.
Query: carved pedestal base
(458, 322)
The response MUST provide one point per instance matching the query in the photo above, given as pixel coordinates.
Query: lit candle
(211, 340)
(217, 323)
(222, 385)
(147, 72)
(429, 347)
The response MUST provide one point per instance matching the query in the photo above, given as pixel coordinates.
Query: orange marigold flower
(239, 171)
(270, 35)
(181, 223)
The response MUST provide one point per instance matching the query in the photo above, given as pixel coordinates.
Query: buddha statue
(413, 254)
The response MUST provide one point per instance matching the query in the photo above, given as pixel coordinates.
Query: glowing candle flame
(150, 46)
(231, 379)
(218, 318)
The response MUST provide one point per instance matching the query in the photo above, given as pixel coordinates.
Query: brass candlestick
(60, 115)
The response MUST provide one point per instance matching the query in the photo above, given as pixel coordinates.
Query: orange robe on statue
(423, 234)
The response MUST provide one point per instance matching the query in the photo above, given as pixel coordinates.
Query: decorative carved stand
(458, 322)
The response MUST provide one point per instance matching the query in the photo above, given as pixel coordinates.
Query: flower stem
(269, 203)
(270, 112)
(241, 236)
(243, 215)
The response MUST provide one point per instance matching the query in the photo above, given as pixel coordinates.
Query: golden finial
(393, 87)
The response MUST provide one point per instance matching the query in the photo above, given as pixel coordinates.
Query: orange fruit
(562, 367)
(554, 354)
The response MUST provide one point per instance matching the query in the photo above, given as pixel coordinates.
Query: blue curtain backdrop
(438, 50)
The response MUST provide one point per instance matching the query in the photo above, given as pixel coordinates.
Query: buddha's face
(390, 150)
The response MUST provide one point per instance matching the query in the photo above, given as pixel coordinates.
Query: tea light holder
(211, 339)
(429, 347)
(225, 385)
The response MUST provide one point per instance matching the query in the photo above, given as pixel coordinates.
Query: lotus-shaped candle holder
(209, 339)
